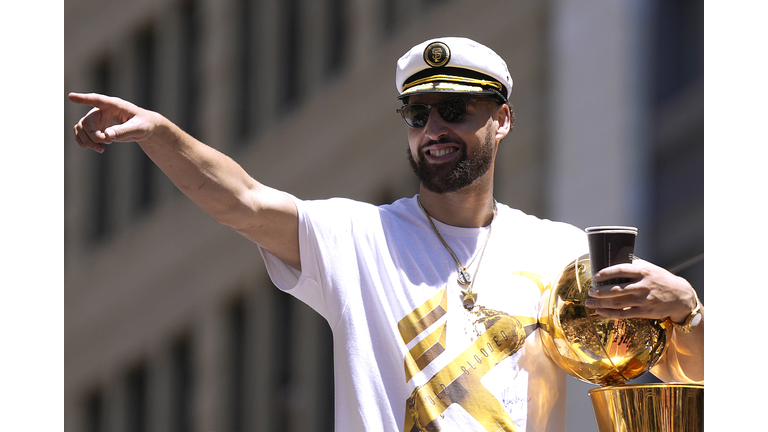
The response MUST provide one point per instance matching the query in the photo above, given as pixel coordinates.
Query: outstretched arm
(215, 182)
(655, 293)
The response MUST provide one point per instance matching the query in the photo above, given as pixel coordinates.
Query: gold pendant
(464, 277)
(469, 298)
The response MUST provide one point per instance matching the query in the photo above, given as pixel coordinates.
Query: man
(433, 300)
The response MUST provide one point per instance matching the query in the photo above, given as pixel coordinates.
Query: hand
(652, 293)
(111, 120)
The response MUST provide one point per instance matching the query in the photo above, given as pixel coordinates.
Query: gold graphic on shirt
(416, 322)
(533, 277)
(459, 382)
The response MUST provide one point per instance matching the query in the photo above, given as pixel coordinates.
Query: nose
(436, 127)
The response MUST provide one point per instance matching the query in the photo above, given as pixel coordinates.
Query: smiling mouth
(441, 152)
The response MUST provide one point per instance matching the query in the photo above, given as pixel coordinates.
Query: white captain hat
(452, 64)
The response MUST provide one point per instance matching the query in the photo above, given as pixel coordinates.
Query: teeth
(442, 152)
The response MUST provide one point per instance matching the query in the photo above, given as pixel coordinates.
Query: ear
(504, 121)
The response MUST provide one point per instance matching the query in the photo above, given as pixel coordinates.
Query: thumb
(135, 129)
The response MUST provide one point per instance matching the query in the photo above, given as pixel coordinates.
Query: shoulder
(522, 223)
(345, 213)
(337, 209)
(334, 204)
(560, 242)
(401, 208)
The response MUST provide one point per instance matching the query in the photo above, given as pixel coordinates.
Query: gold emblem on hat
(437, 54)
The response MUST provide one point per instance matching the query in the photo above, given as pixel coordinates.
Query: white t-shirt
(408, 356)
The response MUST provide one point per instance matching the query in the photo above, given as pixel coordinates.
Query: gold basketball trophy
(610, 352)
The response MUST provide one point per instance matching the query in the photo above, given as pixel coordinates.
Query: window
(282, 376)
(337, 36)
(237, 366)
(103, 166)
(136, 400)
(94, 412)
(182, 386)
(289, 53)
(389, 16)
(190, 71)
(147, 173)
(245, 114)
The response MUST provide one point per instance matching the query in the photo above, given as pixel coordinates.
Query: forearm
(212, 180)
(683, 360)
(221, 187)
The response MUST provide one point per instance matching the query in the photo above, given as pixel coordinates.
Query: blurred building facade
(171, 323)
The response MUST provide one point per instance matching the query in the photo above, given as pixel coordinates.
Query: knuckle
(615, 302)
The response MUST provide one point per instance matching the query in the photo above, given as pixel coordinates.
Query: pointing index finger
(92, 99)
(102, 102)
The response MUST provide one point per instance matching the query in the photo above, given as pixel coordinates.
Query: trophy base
(649, 408)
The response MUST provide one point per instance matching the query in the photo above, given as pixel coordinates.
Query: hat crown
(474, 68)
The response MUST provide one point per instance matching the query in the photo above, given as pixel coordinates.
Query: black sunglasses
(451, 110)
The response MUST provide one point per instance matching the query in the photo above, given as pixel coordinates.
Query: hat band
(453, 78)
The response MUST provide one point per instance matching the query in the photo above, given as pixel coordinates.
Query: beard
(453, 176)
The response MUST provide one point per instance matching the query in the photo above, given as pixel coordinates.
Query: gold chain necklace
(464, 278)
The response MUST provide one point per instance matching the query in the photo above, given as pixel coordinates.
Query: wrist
(160, 130)
(689, 321)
